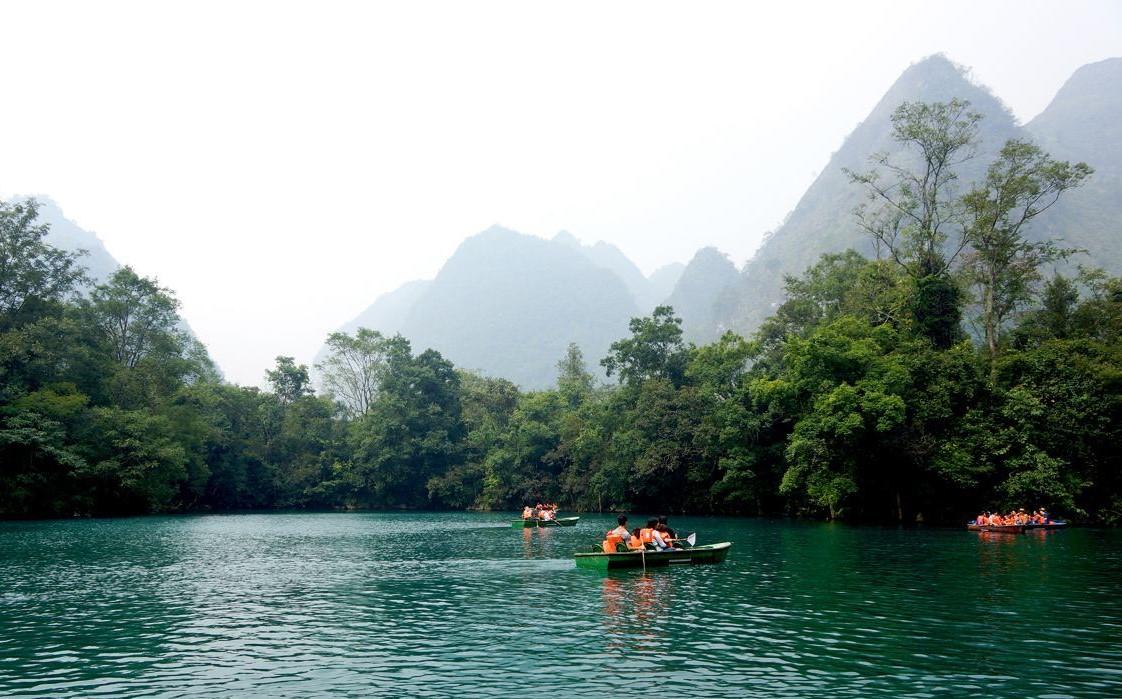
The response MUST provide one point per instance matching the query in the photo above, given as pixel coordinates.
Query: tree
(30, 268)
(136, 317)
(289, 380)
(573, 379)
(1021, 184)
(918, 211)
(917, 215)
(354, 368)
(655, 349)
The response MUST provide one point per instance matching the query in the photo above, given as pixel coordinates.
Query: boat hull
(1050, 525)
(711, 553)
(1014, 528)
(997, 528)
(543, 523)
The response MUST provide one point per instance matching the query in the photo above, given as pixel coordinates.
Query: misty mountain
(705, 294)
(388, 312)
(100, 265)
(647, 293)
(507, 304)
(1084, 122)
(664, 279)
(67, 235)
(823, 220)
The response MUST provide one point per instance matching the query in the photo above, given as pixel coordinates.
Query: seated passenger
(651, 537)
(527, 512)
(669, 536)
(635, 541)
(615, 538)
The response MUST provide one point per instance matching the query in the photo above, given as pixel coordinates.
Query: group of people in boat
(1014, 518)
(546, 512)
(656, 536)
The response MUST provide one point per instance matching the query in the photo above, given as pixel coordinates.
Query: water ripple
(436, 605)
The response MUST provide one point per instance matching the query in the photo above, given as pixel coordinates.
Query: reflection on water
(635, 606)
(383, 604)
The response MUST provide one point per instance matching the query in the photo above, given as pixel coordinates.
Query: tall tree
(654, 350)
(573, 379)
(30, 268)
(135, 315)
(915, 214)
(289, 380)
(1003, 264)
(354, 368)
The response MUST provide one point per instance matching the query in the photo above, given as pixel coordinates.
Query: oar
(690, 539)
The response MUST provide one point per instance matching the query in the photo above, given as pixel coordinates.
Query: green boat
(709, 553)
(531, 523)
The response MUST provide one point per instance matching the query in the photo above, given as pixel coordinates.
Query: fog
(280, 165)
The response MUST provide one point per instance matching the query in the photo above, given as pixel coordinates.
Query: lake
(427, 604)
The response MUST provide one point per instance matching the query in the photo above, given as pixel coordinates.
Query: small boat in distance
(709, 553)
(531, 522)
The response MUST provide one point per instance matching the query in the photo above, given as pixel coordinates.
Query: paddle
(690, 538)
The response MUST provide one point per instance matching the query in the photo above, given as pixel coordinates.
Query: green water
(463, 605)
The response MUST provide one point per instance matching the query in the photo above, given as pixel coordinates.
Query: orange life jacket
(611, 542)
(646, 535)
(634, 543)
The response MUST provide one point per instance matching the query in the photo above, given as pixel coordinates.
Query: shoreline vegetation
(954, 371)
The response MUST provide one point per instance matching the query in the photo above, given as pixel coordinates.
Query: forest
(965, 365)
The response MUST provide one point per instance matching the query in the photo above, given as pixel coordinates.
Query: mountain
(664, 279)
(705, 294)
(508, 305)
(100, 265)
(647, 295)
(388, 312)
(66, 235)
(1084, 123)
(823, 220)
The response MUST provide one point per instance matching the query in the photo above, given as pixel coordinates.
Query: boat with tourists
(542, 516)
(708, 553)
(531, 522)
(1016, 522)
(655, 545)
(1016, 528)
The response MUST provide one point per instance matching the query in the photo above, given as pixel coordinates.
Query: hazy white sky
(281, 164)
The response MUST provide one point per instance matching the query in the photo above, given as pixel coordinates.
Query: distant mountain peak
(567, 239)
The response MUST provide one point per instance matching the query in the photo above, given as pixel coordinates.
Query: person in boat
(651, 537)
(527, 512)
(616, 537)
(668, 534)
(548, 515)
(635, 541)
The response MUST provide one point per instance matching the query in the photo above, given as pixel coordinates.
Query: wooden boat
(1057, 524)
(710, 553)
(1014, 528)
(531, 522)
(997, 528)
